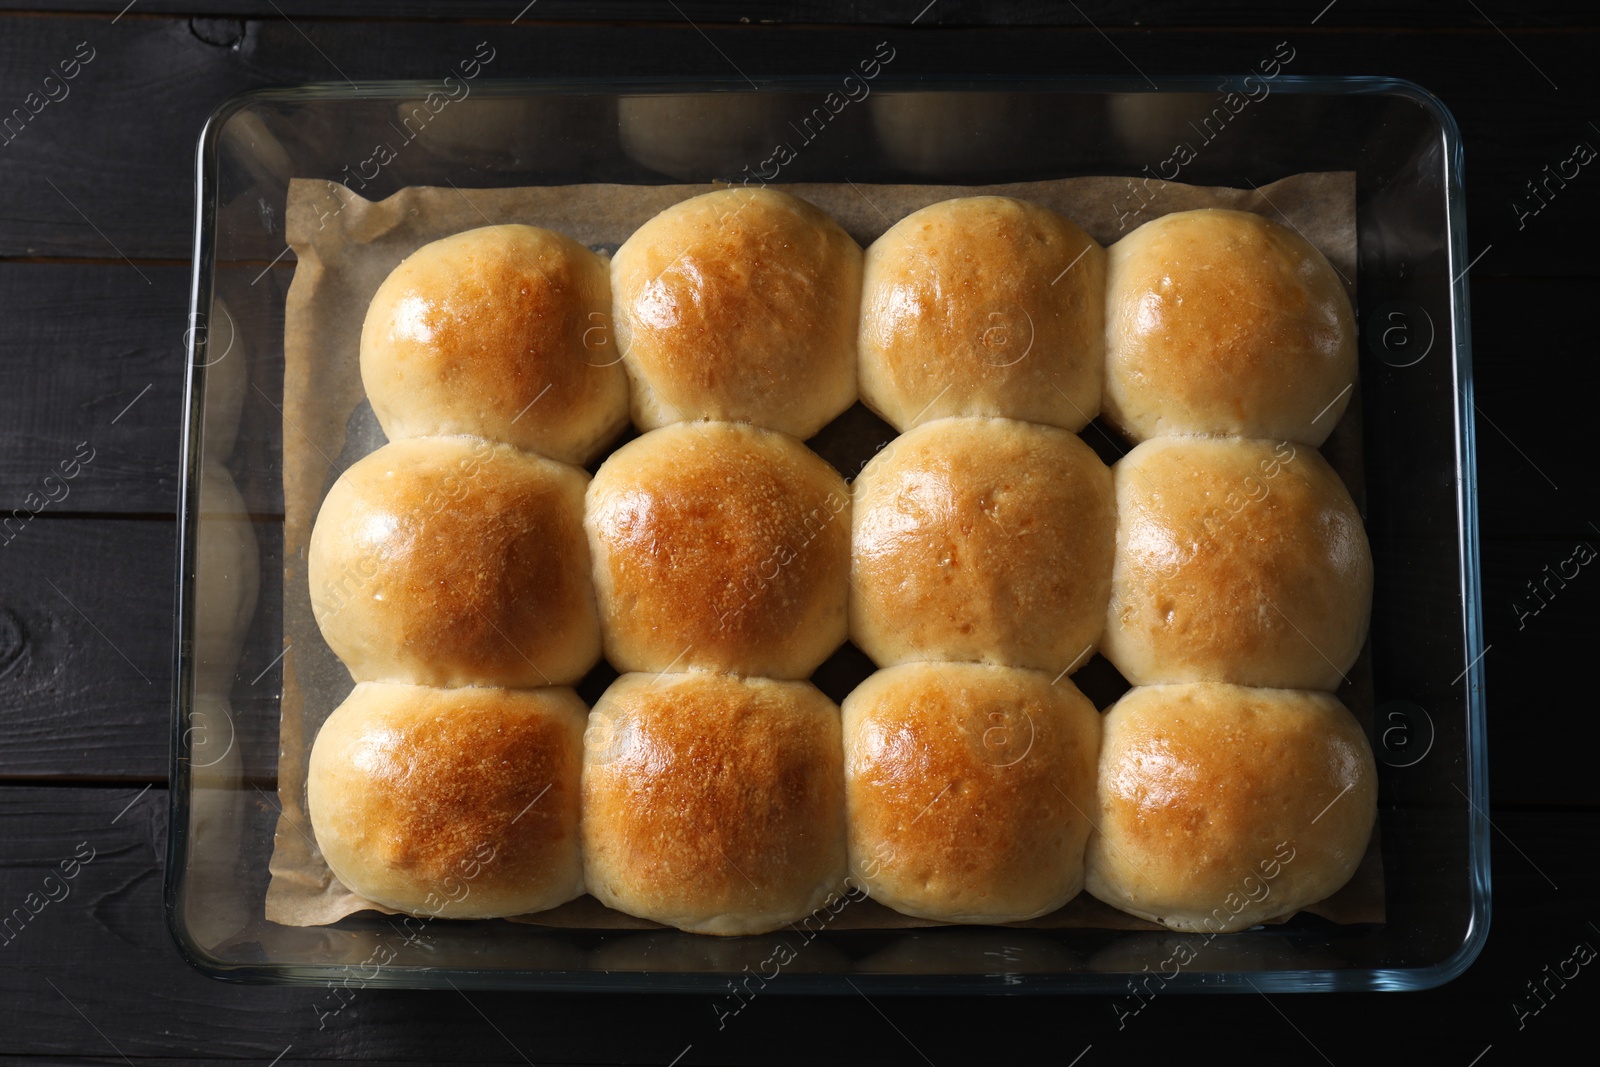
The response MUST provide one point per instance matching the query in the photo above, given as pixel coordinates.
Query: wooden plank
(96, 367)
(62, 678)
(1533, 372)
(86, 652)
(75, 375)
(887, 12)
(85, 648)
(139, 999)
(99, 143)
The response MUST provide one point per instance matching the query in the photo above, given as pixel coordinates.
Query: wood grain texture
(1181, 13)
(106, 949)
(95, 360)
(85, 648)
(108, 170)
(95, 367)
(86, 653)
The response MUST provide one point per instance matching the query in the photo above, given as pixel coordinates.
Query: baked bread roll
(936, 133)
(461, 803)
(712, 803)
(502, 332)
(455, 561)
(739, 305)
(1237, 561)
(968, 790)
(720, 546)
(227, 579)
(982, 539)
(1222, 806)
(1225, 322)
(697, 137)
(983, 306)
(500, 133)
(226, 358)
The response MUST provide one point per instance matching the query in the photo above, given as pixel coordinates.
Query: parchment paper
(347, 245)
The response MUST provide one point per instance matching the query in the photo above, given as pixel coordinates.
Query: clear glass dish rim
(397, 975)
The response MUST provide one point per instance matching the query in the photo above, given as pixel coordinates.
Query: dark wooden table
(96, 223)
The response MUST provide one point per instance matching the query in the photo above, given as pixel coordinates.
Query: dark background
(96, 224)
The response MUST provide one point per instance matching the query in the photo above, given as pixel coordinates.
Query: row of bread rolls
(1240, 558)
(952, 792)
(742, 305)
(936, 134)
(452, 561)
(750, 305)
(944, 763)
(1193, 559)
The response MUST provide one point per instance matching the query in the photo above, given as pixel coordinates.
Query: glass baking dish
(1416, 437)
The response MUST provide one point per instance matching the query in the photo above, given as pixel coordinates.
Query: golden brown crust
(982, 539)
(969, 790)
(720, 546)
(1225, 322)
(455, 561)
(1222, 806)
(456, 802)
(502, 332)
(983, 305)
(1237, 561)
(712, 803)
(739, 305)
